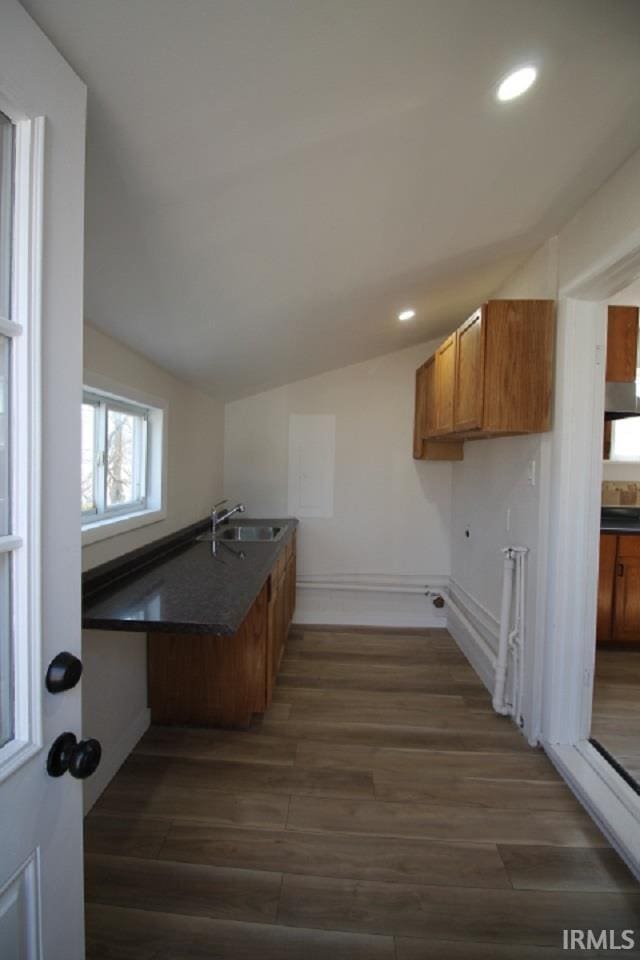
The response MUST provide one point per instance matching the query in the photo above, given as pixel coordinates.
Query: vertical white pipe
(503, 641)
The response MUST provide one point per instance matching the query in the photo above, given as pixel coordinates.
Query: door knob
(63, 673)
(80, 757)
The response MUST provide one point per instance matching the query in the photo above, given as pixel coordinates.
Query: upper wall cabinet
(622, 344)
(492, 377)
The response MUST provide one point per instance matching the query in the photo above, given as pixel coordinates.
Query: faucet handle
(220, 503)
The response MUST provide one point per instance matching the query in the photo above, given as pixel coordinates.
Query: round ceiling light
(516, 83)
(406, 315)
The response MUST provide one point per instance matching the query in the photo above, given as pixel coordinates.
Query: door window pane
(6, 213)
(88, 476)
(6, 657)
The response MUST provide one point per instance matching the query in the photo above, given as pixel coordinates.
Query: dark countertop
(620, 520)
(176, 585)
(621, 525)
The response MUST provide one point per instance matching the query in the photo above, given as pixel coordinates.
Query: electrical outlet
(531, 473)
(507, 521)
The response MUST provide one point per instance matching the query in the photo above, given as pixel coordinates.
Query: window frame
(105, 521)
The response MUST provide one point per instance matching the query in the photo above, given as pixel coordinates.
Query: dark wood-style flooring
(381, 811)
(615, 721)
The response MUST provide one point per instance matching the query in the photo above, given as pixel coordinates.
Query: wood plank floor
(616, 705)
(380, 811)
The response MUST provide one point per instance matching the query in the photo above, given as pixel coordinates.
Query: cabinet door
(606, 583)
(418, 417)
(622, 344)
(626, 621)
(469, 380)
(445, 380)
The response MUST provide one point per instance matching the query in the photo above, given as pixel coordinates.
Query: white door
(42, 110)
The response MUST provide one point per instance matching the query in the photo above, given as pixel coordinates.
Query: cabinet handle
(621, 570)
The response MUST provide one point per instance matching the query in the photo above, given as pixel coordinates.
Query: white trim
(111, 526)
(570, 562)
(368, 600)
(607, 798)
(26, 445)
(484, 623)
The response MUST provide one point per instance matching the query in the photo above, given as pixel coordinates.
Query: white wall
(114, 707)
(493, 477)
(195, 442)
(392, 515)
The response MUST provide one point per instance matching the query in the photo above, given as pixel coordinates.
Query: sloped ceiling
(270, 181)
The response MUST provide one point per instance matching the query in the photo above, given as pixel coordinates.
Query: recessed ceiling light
(406, 315)
(516, 83)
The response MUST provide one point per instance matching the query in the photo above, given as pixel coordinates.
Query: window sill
(113, 526)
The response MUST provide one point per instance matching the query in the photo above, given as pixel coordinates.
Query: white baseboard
(486, 625)
(113, 757)
(368, 601)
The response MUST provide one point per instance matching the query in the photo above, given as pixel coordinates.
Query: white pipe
(503, 642)
(359, 588)
(482, 643)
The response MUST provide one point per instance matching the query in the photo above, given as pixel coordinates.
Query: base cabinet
(224, 681)
(619, 589)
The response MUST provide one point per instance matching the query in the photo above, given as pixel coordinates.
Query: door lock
(80, 757)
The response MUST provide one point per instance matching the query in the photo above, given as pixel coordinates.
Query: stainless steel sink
(245, 533)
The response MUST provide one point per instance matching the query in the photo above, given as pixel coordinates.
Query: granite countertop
(177, 585)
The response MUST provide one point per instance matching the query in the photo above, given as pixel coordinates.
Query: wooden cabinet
(223, 681)
(282, 591)
(424, 421)
(622, 344)
(607, 572)
(492, 377)
(445, 385)
(619, 589)
(469, 391)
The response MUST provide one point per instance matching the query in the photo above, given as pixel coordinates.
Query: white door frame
(570, 566)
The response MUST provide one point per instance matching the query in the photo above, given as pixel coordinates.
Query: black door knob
(80, 758)
(63, 673)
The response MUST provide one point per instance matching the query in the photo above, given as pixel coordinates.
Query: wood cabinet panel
(470, 378)
(608, 550)
(419, 426)
(629, 545)
(445, 380)
(424, 425)
(626, 620)
(622, 344)
(210, 680)
(519, 366)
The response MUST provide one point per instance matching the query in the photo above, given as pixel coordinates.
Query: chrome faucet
(219, 517)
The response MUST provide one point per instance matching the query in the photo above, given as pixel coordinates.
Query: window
(625, 439)
(122, 457)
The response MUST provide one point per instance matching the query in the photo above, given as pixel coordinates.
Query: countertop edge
(143, 559)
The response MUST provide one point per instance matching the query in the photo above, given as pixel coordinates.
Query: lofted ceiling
(270, 181)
